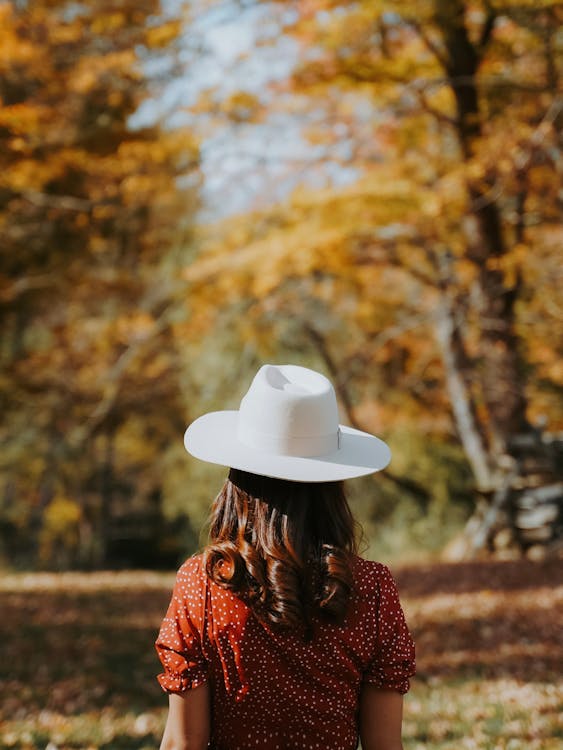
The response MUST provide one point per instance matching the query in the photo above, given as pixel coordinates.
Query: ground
(77, 662)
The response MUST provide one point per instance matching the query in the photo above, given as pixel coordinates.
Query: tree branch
(29, 283)
(405, 484)
(462, 402)
(440, 116)
(47, 200)
(439, 52)
(164, 308)
(336, 373)
(486, 31)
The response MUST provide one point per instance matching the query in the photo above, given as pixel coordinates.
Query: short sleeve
(394, 658)
(178, 645)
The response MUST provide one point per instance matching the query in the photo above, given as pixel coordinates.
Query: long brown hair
(286, 547)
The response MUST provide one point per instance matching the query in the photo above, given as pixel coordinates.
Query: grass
(490, 656)
(77, 663)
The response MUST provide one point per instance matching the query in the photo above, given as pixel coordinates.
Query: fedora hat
(287, 427)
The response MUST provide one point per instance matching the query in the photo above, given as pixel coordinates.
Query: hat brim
(213, 438)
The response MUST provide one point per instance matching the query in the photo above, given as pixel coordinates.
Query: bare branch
(486, 199)
(388, 334)
(447, 335)
(486, 31)
(413, 271)
(165, 306)
(482, 81)
(522, 158)
(440, 116)
(341, 387)
(336, 373)
(65, 202)
(27, 284)
(439, 52)
(479, 537)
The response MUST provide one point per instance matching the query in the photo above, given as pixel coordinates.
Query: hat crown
(289, 410)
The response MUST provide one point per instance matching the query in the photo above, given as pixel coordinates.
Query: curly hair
(285, 547)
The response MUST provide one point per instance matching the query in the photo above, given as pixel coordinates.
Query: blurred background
(191, 189)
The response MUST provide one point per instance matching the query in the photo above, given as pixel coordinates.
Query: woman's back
(275, 689)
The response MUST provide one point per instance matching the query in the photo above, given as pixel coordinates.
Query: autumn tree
(440, 262)
(92, 216)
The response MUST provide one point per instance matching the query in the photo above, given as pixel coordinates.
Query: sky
(245, 165)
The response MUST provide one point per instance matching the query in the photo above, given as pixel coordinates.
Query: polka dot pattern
(272, 690)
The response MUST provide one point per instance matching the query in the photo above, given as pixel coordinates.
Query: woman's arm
(187, 725)
(381, 718)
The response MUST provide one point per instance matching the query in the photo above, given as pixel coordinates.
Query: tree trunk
(497, 371)
(463, 407)
(106, 498)
(495, 376)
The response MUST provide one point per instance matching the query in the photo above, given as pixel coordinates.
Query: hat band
(288, 445)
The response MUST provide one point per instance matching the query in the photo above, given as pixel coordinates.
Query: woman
(279, 635)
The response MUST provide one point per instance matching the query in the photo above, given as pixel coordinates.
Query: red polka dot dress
(274, 691)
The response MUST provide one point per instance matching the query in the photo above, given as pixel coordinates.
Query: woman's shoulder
(369, 568)
(191, 574)
(193, 564)
(370, 577)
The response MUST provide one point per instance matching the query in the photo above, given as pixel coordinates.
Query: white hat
(287, 427)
